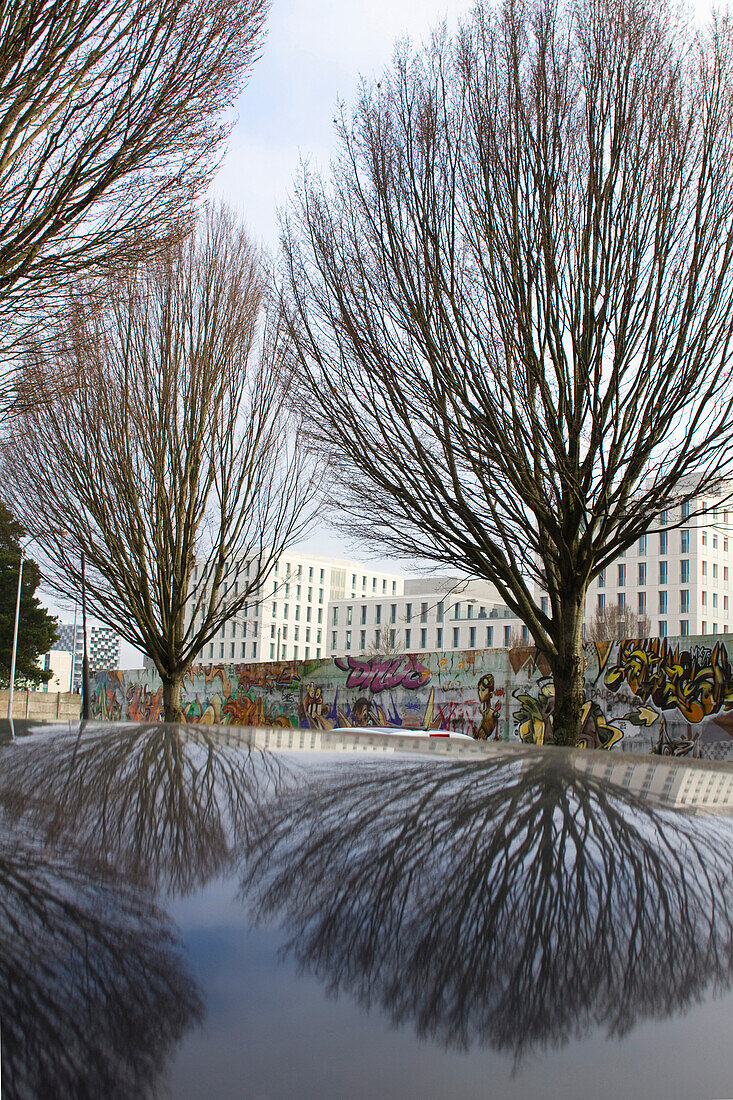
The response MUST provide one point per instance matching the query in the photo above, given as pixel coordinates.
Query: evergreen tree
(36, 629)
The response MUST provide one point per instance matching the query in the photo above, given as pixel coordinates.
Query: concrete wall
(42, 705)
(674, 694)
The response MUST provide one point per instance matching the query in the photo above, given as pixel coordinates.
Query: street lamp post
(11, 685)
(85, 708)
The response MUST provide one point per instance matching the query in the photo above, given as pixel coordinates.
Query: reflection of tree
(93, 990)
(157, 803)
(511, 903)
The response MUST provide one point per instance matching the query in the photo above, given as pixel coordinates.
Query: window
(307, 634)
(295, 653)
(507, 636)
(663, 603)
(221, 650)
(362, 639)
(374, 584)
(348, 639)
(663, 572)
(234, 629)
(704, 569)
(545, 605)
(211, 650)
(318, 636)
(394, 588)
(455, 637)
(439, 638)
(662, 628)
(287, 589)
(469, 610)
(349, 615)
(392, 638)
(704, 627)
(441, 611)
(423, 612)
(622, 599)
(363, 614)
(335, 616)
(642, 573)
(272, 631)
(320, 595)
(685, 571)
(704, 601)
(642, 545)
(322, 575)
(320, 614)
(378, 613)
(408, 637)
(704, 538)
(642, 603)
(525, 635)
(408, 612)
(725, 572)
(353, 580)
(663, 542)
(334, 637)
(254, 649)
(664, 517)
(272, 652)
(602, 579)
(489, 637)
(725, 603)
(622, 576)
(307, 614)
(686, 510)
(424, 638)
(715, 569)
(685, 601)
(601, 601)
(285, 633)
(472, 638)
(725, 546)
(274, 610)
(715, 599)
(310, 572)
(377, 637)
(297, 612)
(297, 591)
(296, 633)
(286, 608)
(393, 613)
(310, 595)
(715, 542)
(685, 542)
(233, 649)
(684, 627)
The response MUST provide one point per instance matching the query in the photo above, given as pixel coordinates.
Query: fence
(42, 705)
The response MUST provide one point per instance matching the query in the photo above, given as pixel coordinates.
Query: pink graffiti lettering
(380, 675)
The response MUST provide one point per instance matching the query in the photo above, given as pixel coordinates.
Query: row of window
(414, 639)
(473, 611)
(663, 573)
(684, 543)
(296, 612)
(285, 591)
(663, 601)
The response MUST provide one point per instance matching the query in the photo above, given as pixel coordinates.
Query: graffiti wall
(674, 696)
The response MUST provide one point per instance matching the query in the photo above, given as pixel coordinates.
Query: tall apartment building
(436, 613)
(67, 652)
(287, 619)
(679, 577)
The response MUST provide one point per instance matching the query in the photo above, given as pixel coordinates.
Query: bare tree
(616, 621)
(513, 300)
(174, 461)
(110, 124)
(391, 643)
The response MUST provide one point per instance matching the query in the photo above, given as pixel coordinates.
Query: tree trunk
(567, 673)
(172, 691)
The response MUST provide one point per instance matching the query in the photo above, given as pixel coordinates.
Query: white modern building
(431, 613)
(680, 577)
(287, 620)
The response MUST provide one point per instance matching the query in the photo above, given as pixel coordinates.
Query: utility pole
(85, 708)
(11, 685)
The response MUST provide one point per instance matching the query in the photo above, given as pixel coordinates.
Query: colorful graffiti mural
(668, 696)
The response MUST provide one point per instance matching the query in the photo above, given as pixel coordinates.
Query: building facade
(678, 576)
(431, 614)
(67, 653)
(287, 618)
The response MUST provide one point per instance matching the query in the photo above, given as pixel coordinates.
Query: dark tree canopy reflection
(160, 804)
(94, 992)
(515, 904)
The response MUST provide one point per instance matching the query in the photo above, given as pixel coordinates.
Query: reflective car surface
(222, 912)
